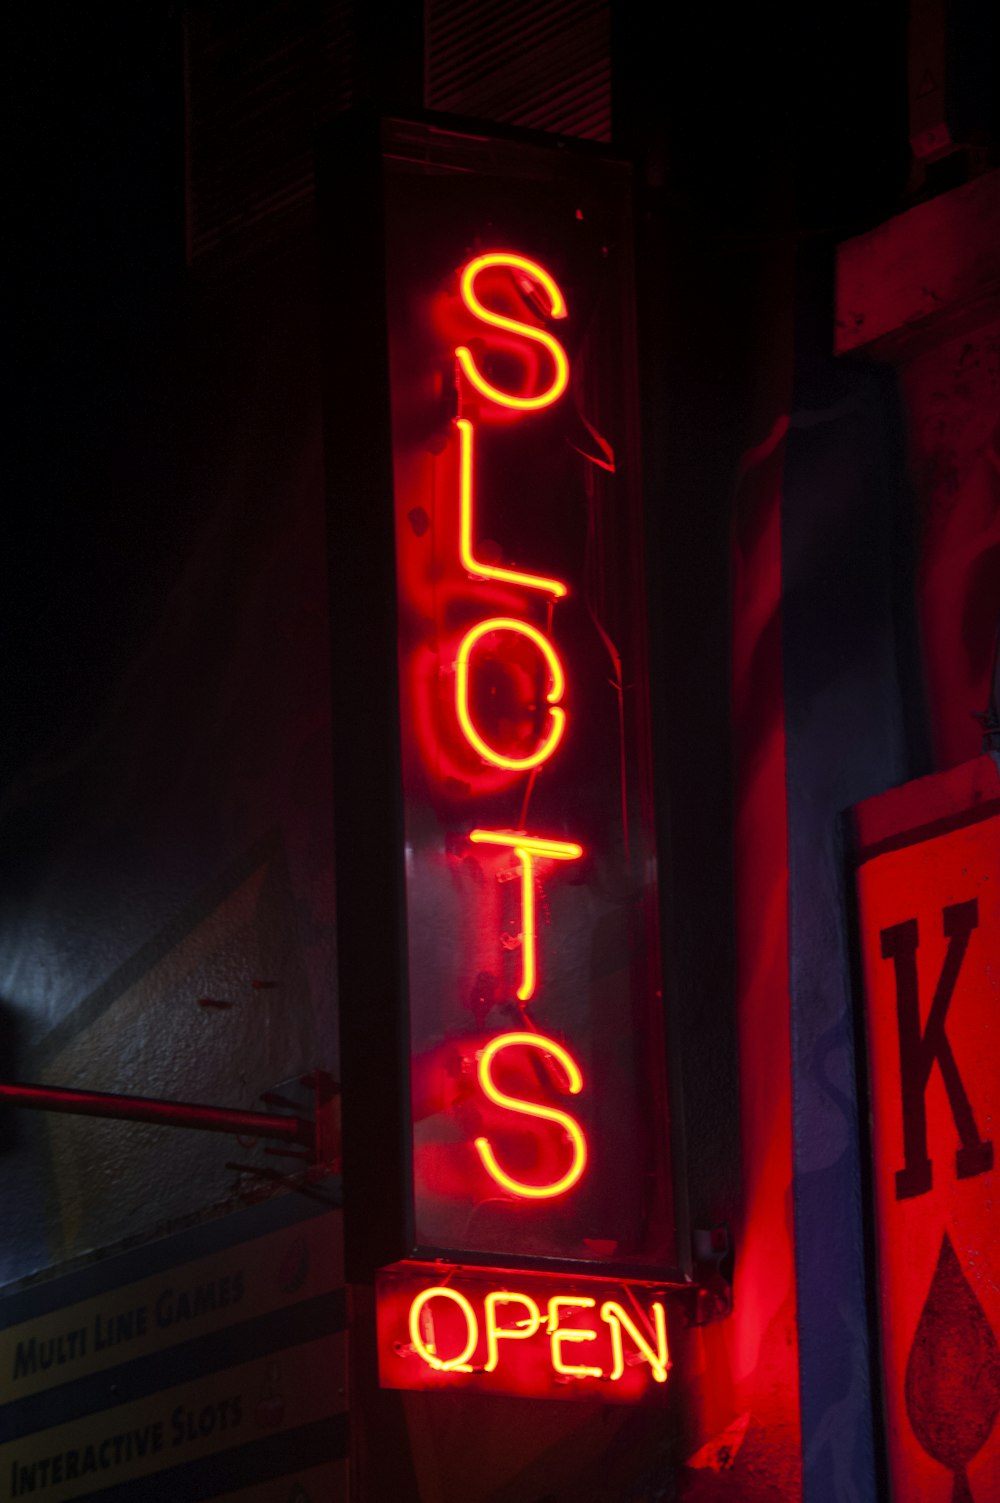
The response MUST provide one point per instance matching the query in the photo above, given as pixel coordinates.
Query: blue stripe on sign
(116, 1270)
(310, 1319)
(844, 530)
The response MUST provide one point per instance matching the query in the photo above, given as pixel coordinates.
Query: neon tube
(558, 1335)
(426, 1350)
(557, 309)
(519, 1332)
(572, 1129)
(526, 848)
(557, 686)
(466, 488)
(659, 1360)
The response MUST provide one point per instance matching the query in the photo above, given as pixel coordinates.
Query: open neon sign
(521, 1334)
(537, 1091)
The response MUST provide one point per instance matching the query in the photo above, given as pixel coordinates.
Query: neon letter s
(530, 271)
(578, 1142)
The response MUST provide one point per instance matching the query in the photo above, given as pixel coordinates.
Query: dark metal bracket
(713, 1274)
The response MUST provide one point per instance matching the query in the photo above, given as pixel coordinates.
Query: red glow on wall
(529, 1334)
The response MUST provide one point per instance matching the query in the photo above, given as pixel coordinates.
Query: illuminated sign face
(529, 1334)
(537, 1057)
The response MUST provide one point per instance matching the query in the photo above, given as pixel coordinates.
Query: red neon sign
(537, 1072)
(522, 1334)
(525, 847)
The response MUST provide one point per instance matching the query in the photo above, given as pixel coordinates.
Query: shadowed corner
(9, 1065)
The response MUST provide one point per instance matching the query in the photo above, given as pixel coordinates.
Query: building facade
(804, 415)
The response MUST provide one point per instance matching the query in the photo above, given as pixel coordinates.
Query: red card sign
(928, 886)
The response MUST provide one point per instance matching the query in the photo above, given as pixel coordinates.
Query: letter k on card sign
(928, 892)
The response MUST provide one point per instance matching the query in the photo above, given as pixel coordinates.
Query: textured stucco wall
(168, 885)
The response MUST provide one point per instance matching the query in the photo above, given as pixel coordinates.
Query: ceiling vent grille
(539, 63)
(261, 75)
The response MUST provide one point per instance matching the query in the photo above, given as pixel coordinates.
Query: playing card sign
(928, 896)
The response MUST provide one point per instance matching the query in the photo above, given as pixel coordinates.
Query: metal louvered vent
(539, 63)
(261, 75)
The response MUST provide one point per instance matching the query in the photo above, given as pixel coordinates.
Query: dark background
(763, 121)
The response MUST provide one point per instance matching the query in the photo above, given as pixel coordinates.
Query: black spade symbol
(953, 1373)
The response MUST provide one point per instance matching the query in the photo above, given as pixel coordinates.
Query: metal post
(296, 1130)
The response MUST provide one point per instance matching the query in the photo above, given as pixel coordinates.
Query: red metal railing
(315, 1135)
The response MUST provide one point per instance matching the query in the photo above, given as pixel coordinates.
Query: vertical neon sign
(529, 277)
(536, 1046)
(524, 892)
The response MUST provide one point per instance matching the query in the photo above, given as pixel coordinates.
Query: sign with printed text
(156, 1313)
(928, 894)
(179, 1426)
(206, 1364)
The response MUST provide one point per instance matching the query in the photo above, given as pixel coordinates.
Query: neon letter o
(451, 1364)
(556, 689)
